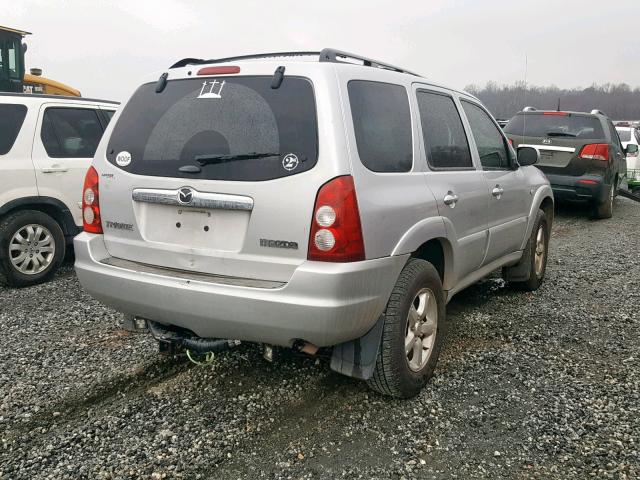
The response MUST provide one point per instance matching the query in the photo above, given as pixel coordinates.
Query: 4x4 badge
(546, 141)
(185, 196)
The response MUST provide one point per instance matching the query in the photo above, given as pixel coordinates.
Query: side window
(637, 134)
(444, 138)
(382, 125)
(70, 132)
(108, 114)
(490, 142)
(11, 118)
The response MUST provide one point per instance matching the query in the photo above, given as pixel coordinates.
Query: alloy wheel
(32, 249)
(422, 327)
(541, 250)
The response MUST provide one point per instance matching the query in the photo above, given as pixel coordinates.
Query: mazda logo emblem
(185, 195)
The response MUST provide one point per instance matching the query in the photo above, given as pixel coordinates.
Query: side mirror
(631, 148)
(528, 156)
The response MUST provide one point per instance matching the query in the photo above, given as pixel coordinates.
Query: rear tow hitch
(173, 341)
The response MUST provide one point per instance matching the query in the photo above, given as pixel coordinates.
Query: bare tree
(618, 101)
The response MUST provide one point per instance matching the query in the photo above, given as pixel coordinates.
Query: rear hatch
(214, 175)
(559, 137)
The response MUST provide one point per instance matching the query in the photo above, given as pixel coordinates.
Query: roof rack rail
(595, 111)
(529, 109)
(326, 55)
(338, 56)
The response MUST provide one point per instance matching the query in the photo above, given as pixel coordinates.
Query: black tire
(9, 226)
(536, 276)
(392, 375)
(605, 209)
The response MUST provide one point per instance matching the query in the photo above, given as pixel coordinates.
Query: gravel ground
(542, 385)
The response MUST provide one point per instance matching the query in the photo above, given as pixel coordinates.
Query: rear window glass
(11, 118)
(231, 128)
(625, 135)
(382, 125)
(540, 125)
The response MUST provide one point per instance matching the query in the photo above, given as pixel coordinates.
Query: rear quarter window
(11, 119)
(382, 125)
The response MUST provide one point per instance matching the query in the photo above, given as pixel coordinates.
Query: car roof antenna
(558, 103)
(278, 76)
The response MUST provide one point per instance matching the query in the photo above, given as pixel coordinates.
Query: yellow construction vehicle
(12, 70)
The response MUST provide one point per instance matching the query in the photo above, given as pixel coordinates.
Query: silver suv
(307, 200)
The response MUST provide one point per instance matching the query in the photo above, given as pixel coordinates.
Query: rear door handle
(497, 191)
(450, 199)
(55, 169)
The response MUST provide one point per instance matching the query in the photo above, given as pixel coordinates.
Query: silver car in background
(307, 200)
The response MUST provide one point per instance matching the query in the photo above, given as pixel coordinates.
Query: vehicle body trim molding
(195, 199)
(549, 147)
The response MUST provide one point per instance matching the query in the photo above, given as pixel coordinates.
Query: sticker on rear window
(123, 159)
(290, 162)
(214, 90)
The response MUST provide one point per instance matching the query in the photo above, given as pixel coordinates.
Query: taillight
(91, 221)
(336, 234)
(595, 151)
(510, 141)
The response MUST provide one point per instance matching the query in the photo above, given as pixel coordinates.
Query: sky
(106, 48)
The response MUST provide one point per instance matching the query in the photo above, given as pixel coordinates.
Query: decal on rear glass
(123, 159)
(211, 89)
(290, 162)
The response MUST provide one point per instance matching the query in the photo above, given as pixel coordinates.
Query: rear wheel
(535, 255)
(413, 332)
(605, 209)
(32, 248)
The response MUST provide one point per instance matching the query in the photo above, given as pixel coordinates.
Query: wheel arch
(49, 205)
(542, 200)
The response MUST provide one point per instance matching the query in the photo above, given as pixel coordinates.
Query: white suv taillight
(91, 203)
(336, 234)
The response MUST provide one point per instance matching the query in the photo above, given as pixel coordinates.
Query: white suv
(46, 145)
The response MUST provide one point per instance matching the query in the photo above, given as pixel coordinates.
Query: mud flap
(357, 358)
(520, 271)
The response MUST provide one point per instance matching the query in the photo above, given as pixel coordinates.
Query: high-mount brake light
(336, 233)
(218, 70)
(559, 114)
(91, 221)
(595, 151)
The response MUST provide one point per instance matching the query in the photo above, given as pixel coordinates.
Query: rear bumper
(323, 303)
(590, 188)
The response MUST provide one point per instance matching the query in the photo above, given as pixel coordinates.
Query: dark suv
(580, 153)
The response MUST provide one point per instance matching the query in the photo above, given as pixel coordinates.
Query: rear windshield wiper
(560, 134)
(213, 159)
